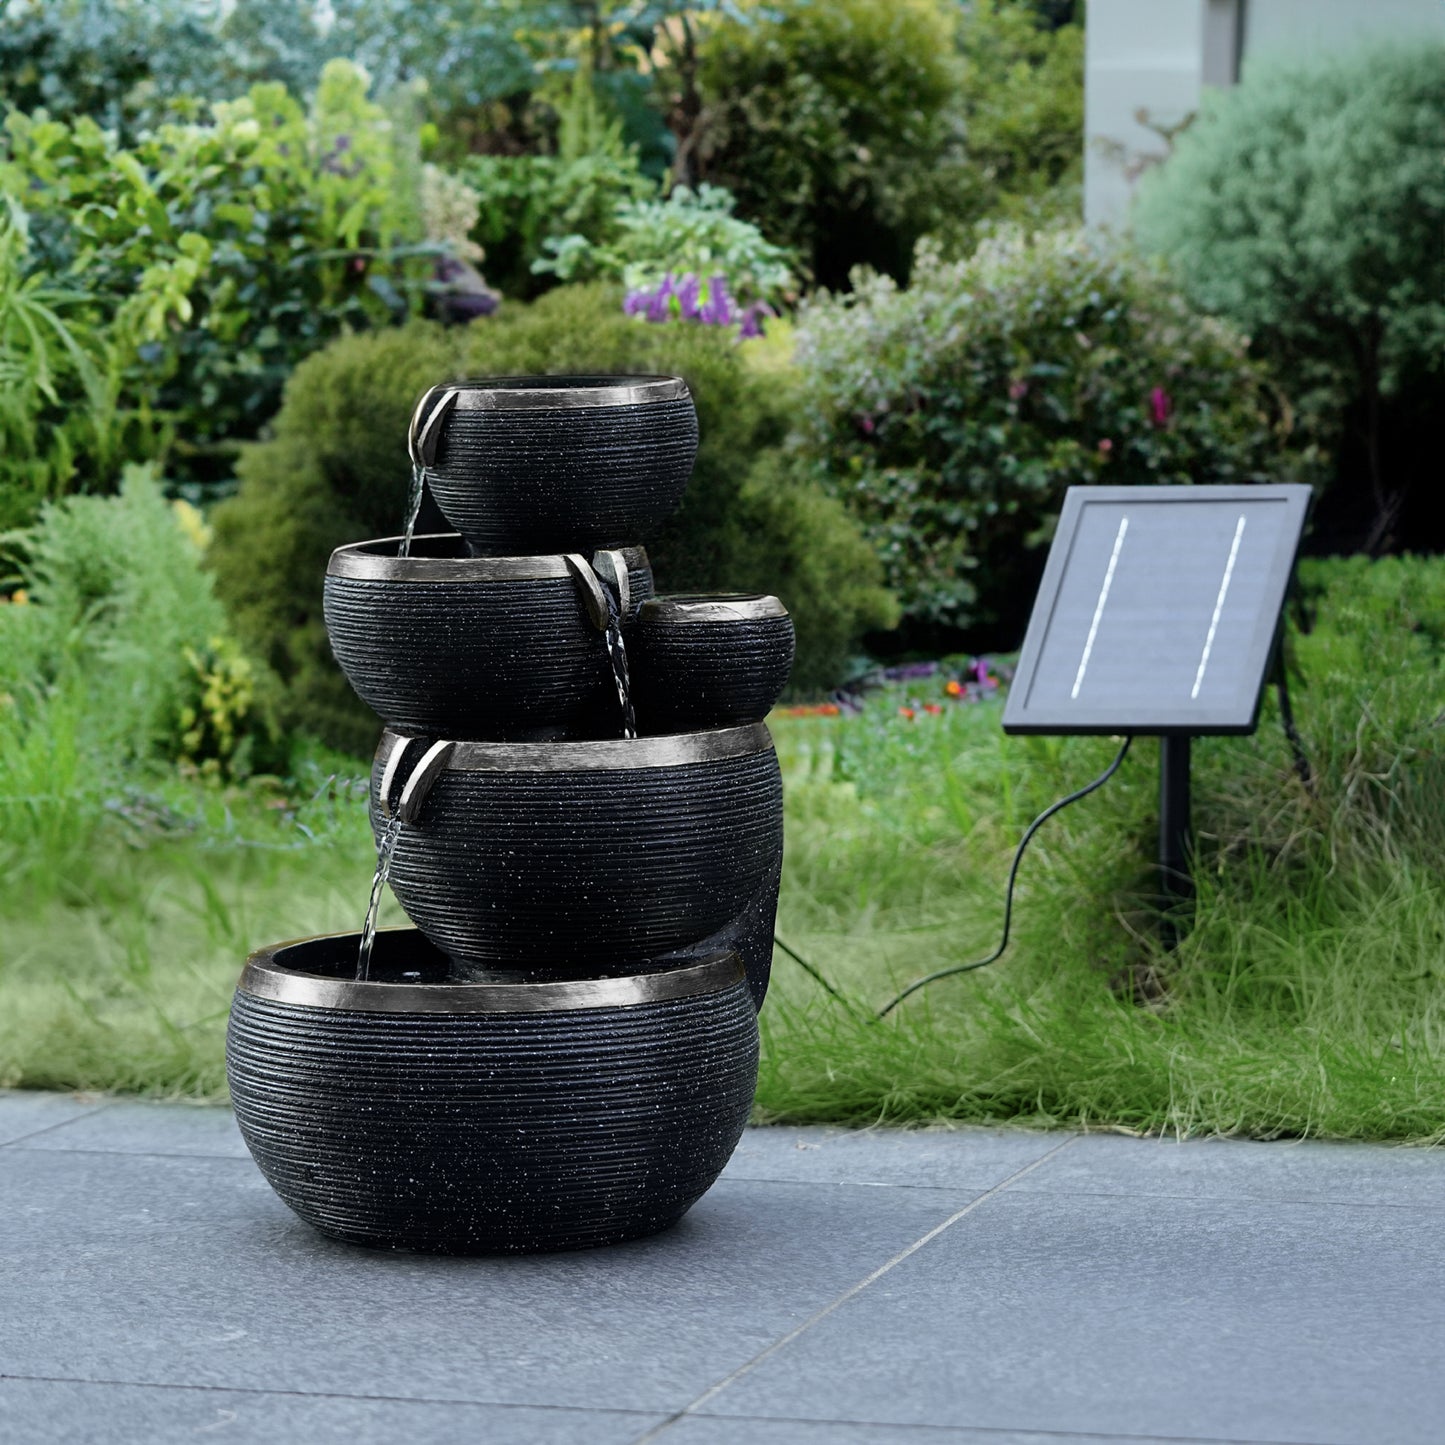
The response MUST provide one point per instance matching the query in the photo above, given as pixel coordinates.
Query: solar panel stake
(1176, 842)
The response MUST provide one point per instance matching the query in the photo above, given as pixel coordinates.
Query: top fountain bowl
(556, 463)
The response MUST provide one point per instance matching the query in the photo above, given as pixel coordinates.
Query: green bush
(336, 471)
(1307, 205)
(830, 123)
(951, 416)
(114, 654)
(242, 244)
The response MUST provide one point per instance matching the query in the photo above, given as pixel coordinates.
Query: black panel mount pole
(1176, 842)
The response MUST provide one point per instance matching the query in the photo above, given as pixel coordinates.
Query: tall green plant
(1307, 206)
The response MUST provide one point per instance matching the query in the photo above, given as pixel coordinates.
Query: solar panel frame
(1025, 714)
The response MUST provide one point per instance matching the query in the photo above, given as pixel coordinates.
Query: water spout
(413, 508)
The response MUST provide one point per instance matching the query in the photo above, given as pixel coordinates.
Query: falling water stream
(617, 656)
(384, 850)
(413, 508)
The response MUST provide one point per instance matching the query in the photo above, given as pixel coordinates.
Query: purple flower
(688, 293)
(658, 308)
(1161, 405)
(635, 302)
(1017, 390)
(718, 309)
(753, 319)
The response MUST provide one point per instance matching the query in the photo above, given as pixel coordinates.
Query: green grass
(1308, 997)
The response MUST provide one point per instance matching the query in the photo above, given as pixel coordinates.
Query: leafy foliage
(112, 661)
(953, 415)
(689, 232)
(1307, 205)
(263, 233)
(336, 471)
(830, 123)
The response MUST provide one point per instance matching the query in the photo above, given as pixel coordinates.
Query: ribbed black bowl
(559, 463)
(500, 647)
(707, 661)
(486, 1118)
(585, 853)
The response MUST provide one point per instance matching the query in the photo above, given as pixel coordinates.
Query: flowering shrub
(689, 298)
(691, 232)
(952, 415)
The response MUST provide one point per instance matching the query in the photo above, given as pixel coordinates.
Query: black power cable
(1024, 842)
(1013, 873)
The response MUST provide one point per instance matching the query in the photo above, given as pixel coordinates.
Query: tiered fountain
(563, 1051)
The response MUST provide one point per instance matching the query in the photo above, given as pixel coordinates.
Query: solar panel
(1158, 610)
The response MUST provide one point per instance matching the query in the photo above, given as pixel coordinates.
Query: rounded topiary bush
(1307, 205)
(952, 415)
(336, 471)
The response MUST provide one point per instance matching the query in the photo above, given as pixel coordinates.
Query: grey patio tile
(24, 1113)
(1244, 1169)
(1162, 1317)
(48, 1412)
(167, 1270)
(968, 1159)
(719, 1430)
(137, 1128)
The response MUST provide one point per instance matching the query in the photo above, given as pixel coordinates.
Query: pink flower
(1105, 447)
(1160, 406)
(866, 422)
(1017, 390)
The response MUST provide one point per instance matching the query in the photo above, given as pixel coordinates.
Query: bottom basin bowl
(410, 1112)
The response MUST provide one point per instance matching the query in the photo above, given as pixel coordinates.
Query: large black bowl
(416, 1113)
(500, 647)
(556, 463)
(581, 854)
(708, 660)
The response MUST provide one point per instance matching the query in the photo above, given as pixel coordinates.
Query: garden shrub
(952, 415)
(117, 630)
(336, 471)
(830, 122)
(276, 219)
(1307, 205)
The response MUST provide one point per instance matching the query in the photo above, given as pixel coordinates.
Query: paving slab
(1259, 1321)
(967, 1159)
(941, 1287)
(34, 1411)
(168, 1270)
(1302, 1170)
(25, 1115)
(127, 1127)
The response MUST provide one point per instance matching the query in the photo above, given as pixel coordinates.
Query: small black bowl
(556, 463)
(708, 660)
(583, 854)
(414, 1113)
(499, 647)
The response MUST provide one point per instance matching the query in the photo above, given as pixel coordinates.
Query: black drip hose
(1291, 732)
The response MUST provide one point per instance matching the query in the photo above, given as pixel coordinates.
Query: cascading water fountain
(562, 1052)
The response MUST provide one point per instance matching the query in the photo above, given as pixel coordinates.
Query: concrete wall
(1155, 57)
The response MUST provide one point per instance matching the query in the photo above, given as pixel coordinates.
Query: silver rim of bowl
(602, 755)
(376, 561)
(264, 978)
(565, 393)
(715, 607)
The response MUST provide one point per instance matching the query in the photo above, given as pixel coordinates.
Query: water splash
(413, 508)
(385, 847)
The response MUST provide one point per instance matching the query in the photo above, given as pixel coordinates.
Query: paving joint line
(50, 1128)
(714, 1390)
(1011, 1430)
(127, 1153)
(333, 1395)
(1226, 1199)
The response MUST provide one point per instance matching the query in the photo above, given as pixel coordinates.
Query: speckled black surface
(493, 1133)
(587, 867)
(502, 659)
(689, 675)
(565, 480)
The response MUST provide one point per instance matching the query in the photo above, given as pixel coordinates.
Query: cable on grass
(1013, 873)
